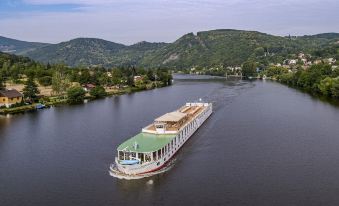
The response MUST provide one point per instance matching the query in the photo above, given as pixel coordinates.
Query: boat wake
(114, 172)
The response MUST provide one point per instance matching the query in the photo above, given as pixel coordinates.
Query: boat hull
(153, 167)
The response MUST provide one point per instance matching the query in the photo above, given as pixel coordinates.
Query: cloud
(130, 21)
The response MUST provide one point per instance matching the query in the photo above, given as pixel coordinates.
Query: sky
(132, 21)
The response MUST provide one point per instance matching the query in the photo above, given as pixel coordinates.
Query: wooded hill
(205, 49)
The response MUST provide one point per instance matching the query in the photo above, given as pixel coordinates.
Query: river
(265, 144)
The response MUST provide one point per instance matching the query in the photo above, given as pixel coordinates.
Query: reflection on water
(265, 144)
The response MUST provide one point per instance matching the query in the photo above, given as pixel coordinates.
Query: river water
(265, 144)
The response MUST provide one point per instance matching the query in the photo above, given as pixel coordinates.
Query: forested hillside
(205, 49)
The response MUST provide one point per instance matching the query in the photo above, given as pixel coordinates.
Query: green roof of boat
(146, 142)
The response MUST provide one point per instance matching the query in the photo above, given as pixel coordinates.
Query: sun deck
(174, 121)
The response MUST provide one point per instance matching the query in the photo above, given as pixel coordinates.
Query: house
(138, 78)
(301, 55)
(88, 87)
(292, 61)
(331, 60)
(9, 97)
(318, 61)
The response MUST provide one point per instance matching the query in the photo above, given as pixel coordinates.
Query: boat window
(121, 155)
(127, 155)
(141, 157)
(154, 155)
(147, 157)
(159, 154)
(163, 151)
(133, 154)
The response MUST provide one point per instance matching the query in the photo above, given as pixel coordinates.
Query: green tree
(325, 86)
(274, 71)
(259, 51)
(130, 81)
(335, 88)
(85, 76)
(60, 83)
(2, 82)
(116, 76)
(75, 94)
(249, 69)
(150, 75)
(98, 92)
(31, 90)
(45, 81)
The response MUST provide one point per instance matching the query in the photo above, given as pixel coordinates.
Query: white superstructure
(154, 147)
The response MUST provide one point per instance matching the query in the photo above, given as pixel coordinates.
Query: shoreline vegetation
(56, 101)
(320, 80)
(50, 85)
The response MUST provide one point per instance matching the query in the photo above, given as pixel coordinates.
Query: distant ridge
(18, 47)
(207, 48)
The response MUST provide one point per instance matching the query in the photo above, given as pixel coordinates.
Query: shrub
(45, 81)
(75, 94)
(98, 92)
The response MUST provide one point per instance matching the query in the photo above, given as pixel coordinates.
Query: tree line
(320, 79)
(65, 80)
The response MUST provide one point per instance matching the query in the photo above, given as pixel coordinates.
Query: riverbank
(60, 100)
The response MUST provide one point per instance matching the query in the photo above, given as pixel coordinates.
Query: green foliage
(319, 79)
(60, 82)
(2, 83)
(249, 69)
(206, 49)
(335, 88)
(45, 81)
(326, 86)
(31, 90)
(91, 51)
(18, 47)
(274, 71)
(260, 51)
(18, 104)
(75, 94)
(164, 76)
(98, 92)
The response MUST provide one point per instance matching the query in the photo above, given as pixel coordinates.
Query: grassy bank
(59, 100)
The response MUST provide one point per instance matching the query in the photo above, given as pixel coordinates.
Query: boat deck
(190, 111)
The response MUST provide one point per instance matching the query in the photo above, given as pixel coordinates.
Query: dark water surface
(265, 144)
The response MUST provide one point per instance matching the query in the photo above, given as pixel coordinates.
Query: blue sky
(131, 21)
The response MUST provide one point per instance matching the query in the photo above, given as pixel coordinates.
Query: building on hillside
(88, 87)
(9, 97)
(292, 61)
(301, 55)
(331, 60)
(138, 78)
(318, 61)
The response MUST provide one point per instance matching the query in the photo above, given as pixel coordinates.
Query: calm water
(266, 144)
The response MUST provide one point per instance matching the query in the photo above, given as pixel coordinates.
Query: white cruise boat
(151, 150)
